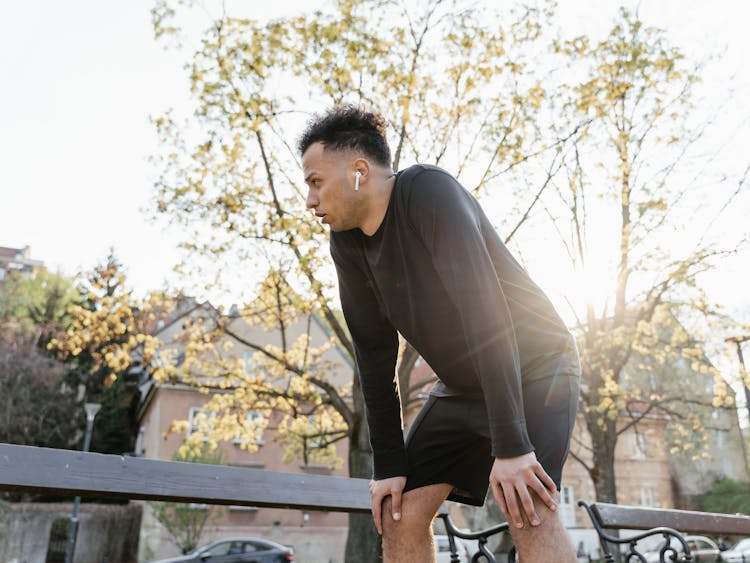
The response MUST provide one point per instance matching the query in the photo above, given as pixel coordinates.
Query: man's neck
(378, 205)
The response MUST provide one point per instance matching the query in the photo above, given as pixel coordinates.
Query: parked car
(703, 550)
(739, 553)
(443, 550)
(236, 550)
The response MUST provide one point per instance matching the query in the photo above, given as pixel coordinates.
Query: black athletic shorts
(449, 441)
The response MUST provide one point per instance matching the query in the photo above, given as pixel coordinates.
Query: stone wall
(107, 533)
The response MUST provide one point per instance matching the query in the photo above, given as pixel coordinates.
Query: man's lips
(321, 216)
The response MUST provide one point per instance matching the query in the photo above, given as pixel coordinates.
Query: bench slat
(640, 518)
(33, 469)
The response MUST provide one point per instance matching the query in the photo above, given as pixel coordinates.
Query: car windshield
(743, 545)
(699, 544)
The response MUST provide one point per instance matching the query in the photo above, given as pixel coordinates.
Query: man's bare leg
(549, 541)
(409, 540)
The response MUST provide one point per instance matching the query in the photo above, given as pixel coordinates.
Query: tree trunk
(603, 442)
(363, 541)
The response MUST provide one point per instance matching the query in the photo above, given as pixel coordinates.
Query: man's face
(329, 176)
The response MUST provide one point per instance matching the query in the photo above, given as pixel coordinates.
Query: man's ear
(362, 166)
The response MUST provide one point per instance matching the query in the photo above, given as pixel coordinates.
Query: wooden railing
(46, 470)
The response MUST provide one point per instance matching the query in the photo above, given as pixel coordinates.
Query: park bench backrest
(670, 525)
(614, 516)
(46, 470)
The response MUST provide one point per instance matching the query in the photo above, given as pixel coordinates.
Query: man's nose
(311, 200)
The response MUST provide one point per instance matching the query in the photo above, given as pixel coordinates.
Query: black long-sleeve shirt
(436, 271)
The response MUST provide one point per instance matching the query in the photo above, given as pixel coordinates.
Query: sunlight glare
(593, 287)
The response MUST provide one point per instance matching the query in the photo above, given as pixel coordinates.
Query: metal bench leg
(481, 536)
(453, 548)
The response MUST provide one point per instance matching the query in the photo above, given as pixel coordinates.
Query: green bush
(727, 496)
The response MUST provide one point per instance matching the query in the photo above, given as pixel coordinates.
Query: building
(16, 259)
(316, 536)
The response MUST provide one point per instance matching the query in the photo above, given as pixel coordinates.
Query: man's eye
(316, 182)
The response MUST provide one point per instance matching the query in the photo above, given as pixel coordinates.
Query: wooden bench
(670, 524)
(66, 472)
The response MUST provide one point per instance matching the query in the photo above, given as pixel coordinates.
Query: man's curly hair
(347, 127)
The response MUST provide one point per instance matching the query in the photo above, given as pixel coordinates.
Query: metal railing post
(91, 410)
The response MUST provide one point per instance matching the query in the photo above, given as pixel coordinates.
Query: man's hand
(512, 479)
(381, 489)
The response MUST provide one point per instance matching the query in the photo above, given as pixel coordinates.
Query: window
(219, 549)
(721, 439)
(698, 545)
(567, 506)
(242, 508)
(139, 449)
(640, 446)
(315, 440)
(252, 418)
(247, 358)
(251, 547)
(647, 496)
(58, 539)
(199, 418)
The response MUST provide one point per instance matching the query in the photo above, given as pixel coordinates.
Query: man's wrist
(392, 464)
(507, 457)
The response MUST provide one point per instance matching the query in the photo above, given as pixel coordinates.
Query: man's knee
(411, 523)
(548, 521)
(549, 541)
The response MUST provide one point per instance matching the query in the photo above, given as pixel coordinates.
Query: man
(415, 253)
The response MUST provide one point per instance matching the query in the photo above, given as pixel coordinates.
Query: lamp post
(91, 410)
(738, 341)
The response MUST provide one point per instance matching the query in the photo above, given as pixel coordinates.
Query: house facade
(17, 259)
(315, 535)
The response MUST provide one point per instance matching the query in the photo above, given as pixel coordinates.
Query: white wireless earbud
(357, 176)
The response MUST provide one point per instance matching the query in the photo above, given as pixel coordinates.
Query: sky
(81, 78)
